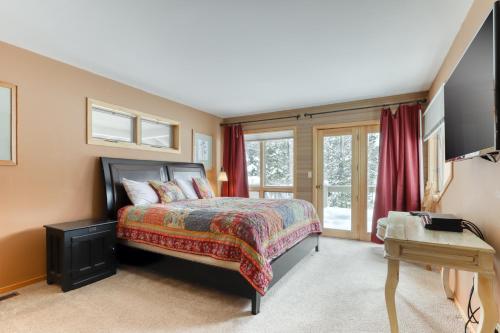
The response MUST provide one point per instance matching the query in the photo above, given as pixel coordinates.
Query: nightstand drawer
(90, 230)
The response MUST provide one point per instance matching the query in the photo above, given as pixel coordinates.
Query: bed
(251, 242)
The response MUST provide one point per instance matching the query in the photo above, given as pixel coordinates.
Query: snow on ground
(340, 218)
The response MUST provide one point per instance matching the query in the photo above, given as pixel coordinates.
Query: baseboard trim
(21, 284)
(464, 315)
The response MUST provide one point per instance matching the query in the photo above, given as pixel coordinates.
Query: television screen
(469, 99)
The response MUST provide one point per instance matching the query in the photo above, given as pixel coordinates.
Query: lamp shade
(222, 176)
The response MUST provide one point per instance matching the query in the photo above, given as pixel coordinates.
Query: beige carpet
(339, 289)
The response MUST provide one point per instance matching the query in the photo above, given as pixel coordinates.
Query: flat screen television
(471, 97)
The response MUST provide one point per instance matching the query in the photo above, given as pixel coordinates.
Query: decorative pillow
(168, 191)
(140, 193)
(187, 187)
(202, 188)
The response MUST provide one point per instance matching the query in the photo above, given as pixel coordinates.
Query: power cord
(471, 314)
(472, 228)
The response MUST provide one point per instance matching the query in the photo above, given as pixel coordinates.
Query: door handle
(319, 187)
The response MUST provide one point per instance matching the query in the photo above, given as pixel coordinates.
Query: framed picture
(202, 149)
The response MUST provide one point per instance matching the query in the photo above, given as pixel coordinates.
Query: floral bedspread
(249, 231)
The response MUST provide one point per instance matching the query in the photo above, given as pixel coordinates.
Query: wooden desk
(406, 239)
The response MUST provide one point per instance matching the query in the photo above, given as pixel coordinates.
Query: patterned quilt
(249, 231)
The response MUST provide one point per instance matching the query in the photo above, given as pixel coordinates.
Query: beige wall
(304, 133)
(58, 175)
(474, 192)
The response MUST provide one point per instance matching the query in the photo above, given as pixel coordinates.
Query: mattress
(232, 265)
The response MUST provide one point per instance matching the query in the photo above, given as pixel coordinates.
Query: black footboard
(285, 262)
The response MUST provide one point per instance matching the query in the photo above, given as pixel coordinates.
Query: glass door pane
(337, 181)
(371, 179)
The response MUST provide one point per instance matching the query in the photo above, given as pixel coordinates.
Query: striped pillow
(168, 191)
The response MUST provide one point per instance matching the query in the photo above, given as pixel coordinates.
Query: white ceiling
(235, 57)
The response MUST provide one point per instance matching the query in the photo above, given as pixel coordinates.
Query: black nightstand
(80, 252)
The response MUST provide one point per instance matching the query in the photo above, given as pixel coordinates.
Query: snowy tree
(278, 162)
(252, 149)
(337, 159)
(278, 166)
(373, 155)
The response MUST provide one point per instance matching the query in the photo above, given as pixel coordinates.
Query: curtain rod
(297, 117)
(310, 115)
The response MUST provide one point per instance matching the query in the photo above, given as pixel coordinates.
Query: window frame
(262, 188)
(13, 124)
(137, 128)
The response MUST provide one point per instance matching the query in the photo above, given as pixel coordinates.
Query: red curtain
(234, 163)
(398, 183)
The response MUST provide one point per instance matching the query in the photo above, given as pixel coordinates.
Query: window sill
(99, 142)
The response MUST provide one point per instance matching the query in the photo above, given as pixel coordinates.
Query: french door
(346, 176)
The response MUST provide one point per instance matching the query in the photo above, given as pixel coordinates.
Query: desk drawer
(439, 255)
(416, 252)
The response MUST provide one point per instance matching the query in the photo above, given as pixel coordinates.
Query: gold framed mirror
(8, 124)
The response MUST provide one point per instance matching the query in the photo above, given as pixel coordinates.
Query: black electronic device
(472, 99)
(443, 222)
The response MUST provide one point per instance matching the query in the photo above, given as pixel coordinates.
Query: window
(254, 194)
(8, 124)
(439, 172)
(156, 134)
(270, 163)
(252, 149)
(112, 125)
(278, 162)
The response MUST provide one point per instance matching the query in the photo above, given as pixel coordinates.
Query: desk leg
(489, 314)
(390, 293)
(445, 279)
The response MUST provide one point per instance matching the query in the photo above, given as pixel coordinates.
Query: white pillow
(140, 193)
(187, 187)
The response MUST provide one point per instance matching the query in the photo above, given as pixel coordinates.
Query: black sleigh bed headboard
(115, 169)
